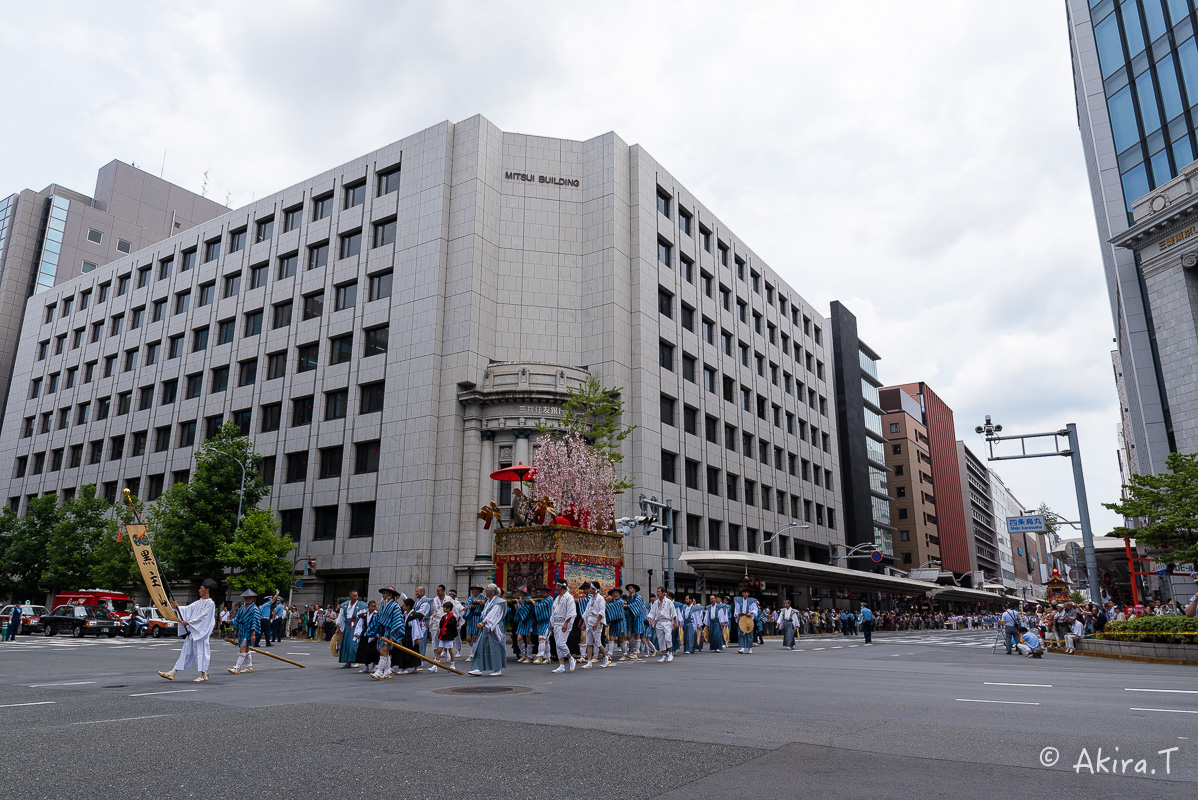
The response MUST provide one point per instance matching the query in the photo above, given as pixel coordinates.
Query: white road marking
(819, 648)
(122, 719)
(896, 655)
(67, 683)
(837, 647)
(854, 645)
(297, 654)
(1002, 702)
(170, 691)
(1165, 691)
(16, 705)
(1037, 685)
(1167, 710)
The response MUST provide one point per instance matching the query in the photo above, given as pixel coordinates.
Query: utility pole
(655, 515)
(1069, 434)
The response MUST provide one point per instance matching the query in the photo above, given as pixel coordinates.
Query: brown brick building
(912, 496)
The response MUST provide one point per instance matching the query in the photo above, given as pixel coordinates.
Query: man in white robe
(593, 621)
(561, 621)
(490, 652)
(663, 616)
(198, 619)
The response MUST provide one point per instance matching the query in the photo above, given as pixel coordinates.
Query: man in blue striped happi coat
(470, 618)
(247, 622)
(387, 622)
(523, 620)
(617, 626)
(541, 611)
(637, 625)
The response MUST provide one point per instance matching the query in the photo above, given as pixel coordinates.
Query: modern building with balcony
(913, 492)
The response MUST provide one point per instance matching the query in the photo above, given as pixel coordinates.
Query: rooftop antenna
(228, 195)
(162, 171)
(204, 185)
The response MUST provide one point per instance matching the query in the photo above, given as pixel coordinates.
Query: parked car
(31, 615)
(79, 620)
(157, 625)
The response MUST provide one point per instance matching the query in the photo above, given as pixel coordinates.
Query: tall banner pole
(143, 554)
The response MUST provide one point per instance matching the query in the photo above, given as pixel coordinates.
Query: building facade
(1135, 67)
(52, 236)
(913, 494)
(955, 546)
(1005, 504)
(391, 331)
(980, 525)
(863, 473)
(1162, 241)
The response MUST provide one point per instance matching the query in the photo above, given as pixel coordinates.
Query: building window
(388, 181)
(896, 449)
(247, 372)
(297, 467)
(664, 199)
(384, 232)
(322, 206)
(308, 357)
(692, 474)
(355, 195)
(713, 481)
(187, 433)
(684, 221)
(207, 294)
(212, 425)
(182, 301)
(663, 252)
(253, 323)
(366, 457)
(264, 229)
(281, 317)
(341, 349)
(375, 342)
(276, 365)
(292, 217)
(257, 276)
(346, 295)
(225, 331)
(668, 463)
(291, 522)
(288, 265)
(313, 305)
(688, 368)
(232, 284)
(665, 303)
(361, 520)
(336, 404)
(380, 285)
(143, 277)
(158, 312)
(372, 397)
(351, 244)
(326, 523)
(272, 417)
(301, 411)
(94, 236)
(665, 356)
(318, 255)
(330, 462)
(211, 250)
(667, 410)
(237, 241)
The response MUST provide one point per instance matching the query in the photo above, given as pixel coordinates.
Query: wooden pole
(272, 655)
(434, 662)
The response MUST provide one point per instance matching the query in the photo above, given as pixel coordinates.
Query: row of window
(794, 426)
(665, 205)
(730, 485)
(97, 237)
(332, 464)
(336, 406)
(291, 521)
(749, 539)
(348, 244)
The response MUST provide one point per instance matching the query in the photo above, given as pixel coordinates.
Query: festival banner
(143, 553)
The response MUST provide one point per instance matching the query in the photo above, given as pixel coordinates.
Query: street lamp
(870, 546)
(241, 491)
(777, 533)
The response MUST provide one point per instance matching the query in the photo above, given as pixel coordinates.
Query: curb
(1182, 662)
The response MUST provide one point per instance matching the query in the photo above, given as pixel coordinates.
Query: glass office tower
(1135, 66)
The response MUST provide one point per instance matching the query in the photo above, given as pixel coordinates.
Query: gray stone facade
(1165, 240)
(490, 271)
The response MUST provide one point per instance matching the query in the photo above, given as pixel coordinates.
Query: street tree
(27, 555)
(193, 520)
(82, 525)
(594, 413)
(1167, 504)
(257, 554)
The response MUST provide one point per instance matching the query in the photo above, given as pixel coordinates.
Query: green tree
(1168, 506)
(258, 555)
(27, 554)
(9, 522)
(193, 520)
(594, 412)
(83, 524)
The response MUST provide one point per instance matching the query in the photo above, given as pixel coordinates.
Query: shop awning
(732, 566)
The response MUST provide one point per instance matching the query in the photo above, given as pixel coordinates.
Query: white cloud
(918, 161)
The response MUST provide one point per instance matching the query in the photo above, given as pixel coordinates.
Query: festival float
(562, 520)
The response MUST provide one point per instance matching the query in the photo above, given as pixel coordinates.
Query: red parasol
(518, 472)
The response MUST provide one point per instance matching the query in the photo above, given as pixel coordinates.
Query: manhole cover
(116, 686)
(483, 690)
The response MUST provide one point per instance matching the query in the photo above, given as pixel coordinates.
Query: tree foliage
(26, 556)
(1168, 506)
(578, 479)
(83, 524)
(258, 555)
(192, 521)
(593, 413)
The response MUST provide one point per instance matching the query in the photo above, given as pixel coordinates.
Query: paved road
(931, 714)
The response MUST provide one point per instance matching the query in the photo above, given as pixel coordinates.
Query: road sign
(1032, 523)
(876, 556)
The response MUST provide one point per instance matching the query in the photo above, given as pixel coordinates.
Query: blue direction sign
(1032, 523)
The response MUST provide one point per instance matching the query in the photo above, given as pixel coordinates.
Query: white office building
(391, 331)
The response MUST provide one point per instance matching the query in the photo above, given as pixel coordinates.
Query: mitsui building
(391, 331)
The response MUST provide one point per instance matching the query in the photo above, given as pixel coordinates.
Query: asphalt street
(928, 715)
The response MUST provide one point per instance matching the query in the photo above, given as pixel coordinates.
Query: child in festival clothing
(447, 636)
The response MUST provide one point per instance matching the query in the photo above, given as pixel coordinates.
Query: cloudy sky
(918, 161)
